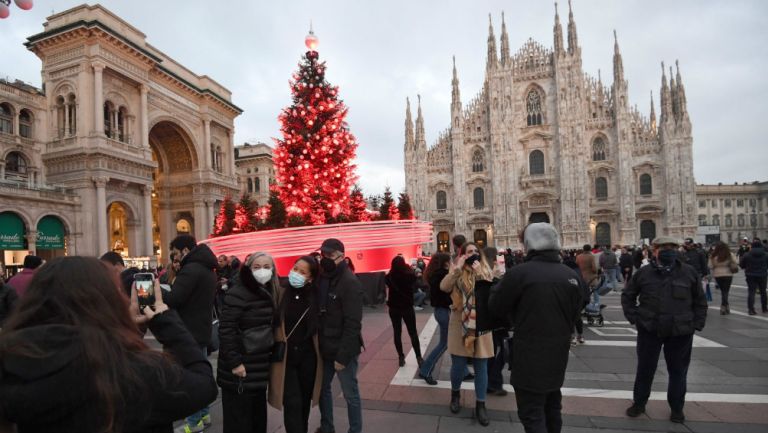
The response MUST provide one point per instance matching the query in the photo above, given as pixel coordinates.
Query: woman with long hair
(246, 328)
(465, 340)
(400, 281)
(436, 270)
(295, 381)
(74, 360)
(723, 264)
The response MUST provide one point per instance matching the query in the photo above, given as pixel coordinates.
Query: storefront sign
(12, 232)
(50, 234)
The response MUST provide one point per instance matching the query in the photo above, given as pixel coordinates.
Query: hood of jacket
(758, 252)
(201, 254)
(38, 389)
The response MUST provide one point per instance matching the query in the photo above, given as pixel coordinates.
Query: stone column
(201, 226)
(98, 98)
(144, 115)
(209, 213)
(146, 191)
(16, 123)
(207, 142)
(102, 238)
(231, 152)
(66, 119)
(32, 242)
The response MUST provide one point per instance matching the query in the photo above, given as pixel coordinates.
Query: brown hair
(79, 291)
(437, 261)
(721, 252)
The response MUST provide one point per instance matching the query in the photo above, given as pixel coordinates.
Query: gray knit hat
(541, 237)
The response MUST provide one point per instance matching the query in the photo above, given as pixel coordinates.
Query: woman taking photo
(723, 264)
(465, 340)
(246, 341)
(400, 280)
(294, 383)
(74, 360)
(441, 304)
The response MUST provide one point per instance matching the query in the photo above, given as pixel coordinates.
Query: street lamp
(5, 10)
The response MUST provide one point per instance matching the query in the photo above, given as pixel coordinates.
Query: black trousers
(299, 383)
(724, 283)
(244, 413)
(409, 317)
(539, 412)
(677, 354)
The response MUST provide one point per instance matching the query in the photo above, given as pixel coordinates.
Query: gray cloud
(381, 52)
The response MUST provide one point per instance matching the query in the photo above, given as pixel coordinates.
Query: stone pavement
(727, 381)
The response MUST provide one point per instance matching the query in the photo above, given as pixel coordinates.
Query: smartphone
(145, 288)
(471, 259)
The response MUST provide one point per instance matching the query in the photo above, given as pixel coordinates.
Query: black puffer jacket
(671, 302)
(193, 291)
(53, 393)
(543, 296)
(697, 259)
(438, 298)
(755, 262)
(341, 324)
(247, 305)
(400, 290)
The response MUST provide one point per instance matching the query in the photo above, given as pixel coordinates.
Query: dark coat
(400, 290)
(755, 262)
(670, 302)
(697, 259)
(341, 323)
(626, 261)
(8, 298)
(51, 394)
(438, 298)
(193, 291)
(544, 298)
(247, 305)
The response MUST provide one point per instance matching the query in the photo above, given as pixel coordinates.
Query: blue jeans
(443, 316)
(418, 297)
(459, 365)
(611, 275)
(196, 417)
(348, 380)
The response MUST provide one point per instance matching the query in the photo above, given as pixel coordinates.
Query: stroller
(594, 309)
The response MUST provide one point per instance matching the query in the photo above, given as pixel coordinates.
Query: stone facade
(138, 148)
(734, 211)
(255, 171)
(544, 141)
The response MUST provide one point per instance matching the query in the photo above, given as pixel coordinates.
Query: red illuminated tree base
(371, 245)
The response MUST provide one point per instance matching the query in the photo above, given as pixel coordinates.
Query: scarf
(468, 317)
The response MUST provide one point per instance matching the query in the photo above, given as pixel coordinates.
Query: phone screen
(145, 289)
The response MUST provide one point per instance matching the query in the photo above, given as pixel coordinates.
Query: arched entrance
(174, 151)
(481, 238)
(118, 217)
(603, 234)
(647, 230)
(51, 237)
(443, 242)
(13, 241)
(538, 217)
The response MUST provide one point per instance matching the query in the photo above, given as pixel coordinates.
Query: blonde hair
(468, 274)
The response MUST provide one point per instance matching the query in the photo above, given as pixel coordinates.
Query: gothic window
(443, 244)
(257, 184)
(739, 203)
(603, 234)
(702, 204)
(442, 200)
(728, 220)
(219, 159)
(601, 188)
(6, 119)
(122, 118)
(647, 230)
(536, 162)
(752, 203)
(715, 220)
(599, 150)
(741, 220)
(25, 123)
(72, 110)
(727, 202)
(646, 184)
(250, 185)
(478, 196)
(481, 238)
(60, 107)
(702, 220)
(753, 220)
(108, 110)
(15, 164)
(533, 107)
(478, 161)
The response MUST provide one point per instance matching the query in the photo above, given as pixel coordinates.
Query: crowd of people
(75, 358)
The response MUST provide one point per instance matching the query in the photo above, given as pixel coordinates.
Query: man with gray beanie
(543, 297)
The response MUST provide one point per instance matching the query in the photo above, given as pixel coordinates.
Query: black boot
(455, 401)
(481, 414)
(401, 360)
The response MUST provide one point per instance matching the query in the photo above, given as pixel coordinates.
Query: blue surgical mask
(667, 257)
(296, 280)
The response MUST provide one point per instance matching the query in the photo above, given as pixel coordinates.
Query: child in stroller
(594, 309)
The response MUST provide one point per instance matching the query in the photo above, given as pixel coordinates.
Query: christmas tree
(225, 220)
(387, 207)
(314, 158)
(404, 206)
(276, 218)
(357, 206)
(245, 215)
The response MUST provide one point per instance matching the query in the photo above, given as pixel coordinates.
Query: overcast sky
(380, 52)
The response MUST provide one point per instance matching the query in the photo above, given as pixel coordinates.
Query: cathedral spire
(618, 64)
(673, 94)
(504, 42)
(683, 103)
(455, 95)
(419, 124)
(558, 30)
(409, 139)
(573, 40)
(666, 103)
(493, 57)
(653, 114)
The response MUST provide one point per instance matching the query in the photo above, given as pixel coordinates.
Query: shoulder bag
(278, 349)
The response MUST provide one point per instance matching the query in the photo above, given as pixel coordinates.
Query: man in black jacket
(755, 265)
(671, 306)
(696, 257)
(341, 315)
(192, 296)
(543, 298)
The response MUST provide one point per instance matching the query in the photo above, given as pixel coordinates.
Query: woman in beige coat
(723, 264)
(294, 382)
(464, 340)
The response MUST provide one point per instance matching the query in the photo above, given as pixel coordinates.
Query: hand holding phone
(145, 289)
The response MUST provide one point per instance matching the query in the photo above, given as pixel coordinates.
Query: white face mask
(262, 275)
